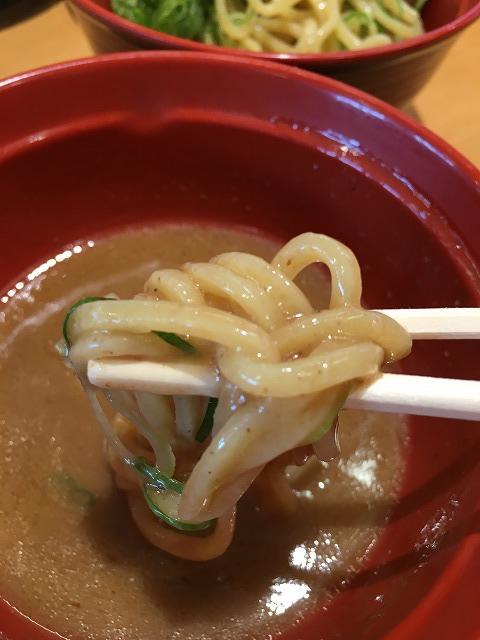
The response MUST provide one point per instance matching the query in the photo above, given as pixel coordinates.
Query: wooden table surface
(449, 104)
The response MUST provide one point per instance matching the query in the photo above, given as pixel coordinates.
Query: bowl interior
(119, 149)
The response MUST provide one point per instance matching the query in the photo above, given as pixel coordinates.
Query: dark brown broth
(85, 570)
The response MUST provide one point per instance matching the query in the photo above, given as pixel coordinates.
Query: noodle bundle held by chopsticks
(285, 370)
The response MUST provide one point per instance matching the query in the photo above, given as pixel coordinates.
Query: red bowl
(146, 137)
(394, 73)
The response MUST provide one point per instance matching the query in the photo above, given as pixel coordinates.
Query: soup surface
(70, 556)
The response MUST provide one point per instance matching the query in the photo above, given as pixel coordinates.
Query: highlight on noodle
(284, 370)
(280, 26)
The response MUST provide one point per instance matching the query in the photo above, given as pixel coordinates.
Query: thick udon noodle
(308, 26)
(285, 371)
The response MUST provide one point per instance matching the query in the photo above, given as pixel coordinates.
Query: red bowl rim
(154, 39)
(430, 139)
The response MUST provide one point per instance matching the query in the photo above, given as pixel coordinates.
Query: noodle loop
(285, 371)
(309, 26)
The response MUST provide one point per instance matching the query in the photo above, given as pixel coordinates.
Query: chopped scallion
(75, 493)
(162, 495)
(70, 312)
(176, 341)
(154, 477)
(330, 419)
(155, 499)
(207, 422)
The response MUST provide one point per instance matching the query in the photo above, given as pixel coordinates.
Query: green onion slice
(207, 423)
(162, 495)
(362, 18)
(156, 478)
(81, 496)
(330, 419)
(176, 341)
(71, 311)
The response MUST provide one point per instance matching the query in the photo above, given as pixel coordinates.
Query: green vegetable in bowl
(135, 10)
(198, 20)
(183, 18)
(212, 33)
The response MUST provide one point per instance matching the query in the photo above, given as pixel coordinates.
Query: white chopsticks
(154, 377)
(419, 396)
(390, 393)
(438, 324)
